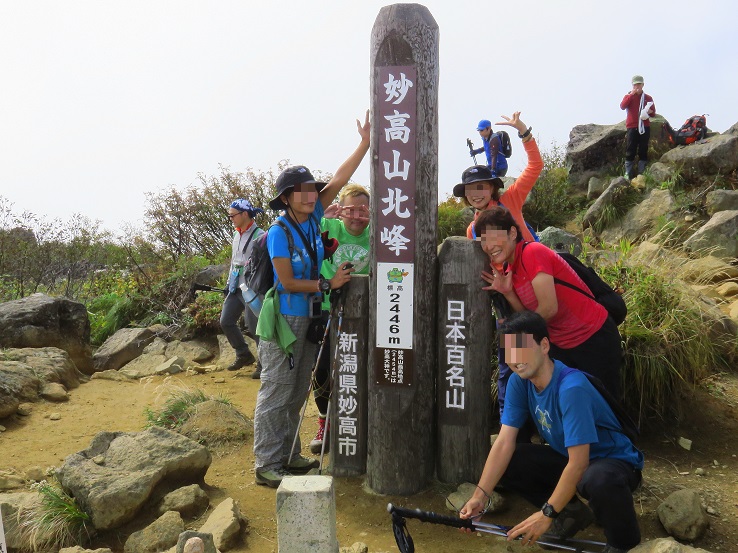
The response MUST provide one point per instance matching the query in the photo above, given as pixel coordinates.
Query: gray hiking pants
(281, 395)
(233, 308)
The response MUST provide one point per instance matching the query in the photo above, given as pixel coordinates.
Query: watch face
(549, 511)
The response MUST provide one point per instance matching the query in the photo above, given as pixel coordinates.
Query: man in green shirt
(347, 222)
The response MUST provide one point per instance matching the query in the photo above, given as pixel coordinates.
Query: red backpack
(693, 130)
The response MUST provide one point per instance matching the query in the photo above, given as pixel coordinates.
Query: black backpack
(627, 424)
(602, 292)
(258, 271)
(505, 144)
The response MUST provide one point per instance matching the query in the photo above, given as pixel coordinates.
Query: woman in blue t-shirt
(285, 378)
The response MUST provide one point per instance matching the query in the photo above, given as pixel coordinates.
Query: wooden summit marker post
(402, 300)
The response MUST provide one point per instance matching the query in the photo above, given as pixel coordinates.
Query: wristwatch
(324, 285)
(549, 511)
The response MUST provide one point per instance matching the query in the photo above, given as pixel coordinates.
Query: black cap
(476, 173)
(288, 179)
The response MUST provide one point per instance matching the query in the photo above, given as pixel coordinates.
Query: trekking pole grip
(429, 516)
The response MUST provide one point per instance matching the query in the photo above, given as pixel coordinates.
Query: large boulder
(17, 384)
(116, 475)
(666, 545)
(596, 210)
(122, 347)
(593, 150)
(721, 200)
(641, 218)
(719, 236)
(50, 365)
(158, 536)
(42, 321)
(718, 154)
(560, 240)
(225, 524)
(682, 515)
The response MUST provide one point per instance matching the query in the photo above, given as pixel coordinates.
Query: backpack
(505, 144)
(258, 271)
(601, 291)
(693, 130)
(627, 424)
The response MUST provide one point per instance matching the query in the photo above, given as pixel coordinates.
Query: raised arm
(348, 167)
(515, 195)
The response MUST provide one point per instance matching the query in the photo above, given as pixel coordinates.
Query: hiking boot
(242, 361)
(574, 517)
(302, 464)
(316, 445)
(272, 478)
(256, 375)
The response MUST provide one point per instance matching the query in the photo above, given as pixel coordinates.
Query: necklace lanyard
(309, 244)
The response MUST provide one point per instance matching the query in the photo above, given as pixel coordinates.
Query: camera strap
(310, 245)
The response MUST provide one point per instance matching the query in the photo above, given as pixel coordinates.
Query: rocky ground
(710, 421)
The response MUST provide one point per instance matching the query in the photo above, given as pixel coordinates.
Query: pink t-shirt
(578, 317)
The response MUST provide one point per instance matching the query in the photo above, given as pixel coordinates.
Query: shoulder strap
(558, 280)
(254, 234)
(288, 233)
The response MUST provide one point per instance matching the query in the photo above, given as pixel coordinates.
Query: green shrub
(451, 220)
(54, 520)
(665, 342)
(552, 201)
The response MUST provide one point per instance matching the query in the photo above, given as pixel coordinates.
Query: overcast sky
(104, 101)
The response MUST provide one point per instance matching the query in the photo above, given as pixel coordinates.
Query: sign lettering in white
(347, 393)
(455, 355)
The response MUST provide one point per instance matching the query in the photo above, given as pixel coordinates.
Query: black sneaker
(256, 375)
(574, 517)
(242, 361)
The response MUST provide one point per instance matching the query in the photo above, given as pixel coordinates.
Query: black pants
(601, 355)
(636, 142)
(607, 485)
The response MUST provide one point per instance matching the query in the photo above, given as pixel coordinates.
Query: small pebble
(700, 472)
(55, 416)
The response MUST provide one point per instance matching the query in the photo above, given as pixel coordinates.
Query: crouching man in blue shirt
(587, 452)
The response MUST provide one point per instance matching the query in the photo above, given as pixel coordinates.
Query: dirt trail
(100, 405)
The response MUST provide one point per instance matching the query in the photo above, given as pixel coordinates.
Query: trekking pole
(205, 288)
(341, 302)
(405, 542)
(471, 150)
(310, 388)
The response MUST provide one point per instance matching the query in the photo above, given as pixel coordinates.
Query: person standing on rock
(285, 377)
(640, 108)
(586, 450)
(492, 149)
(241, 213)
